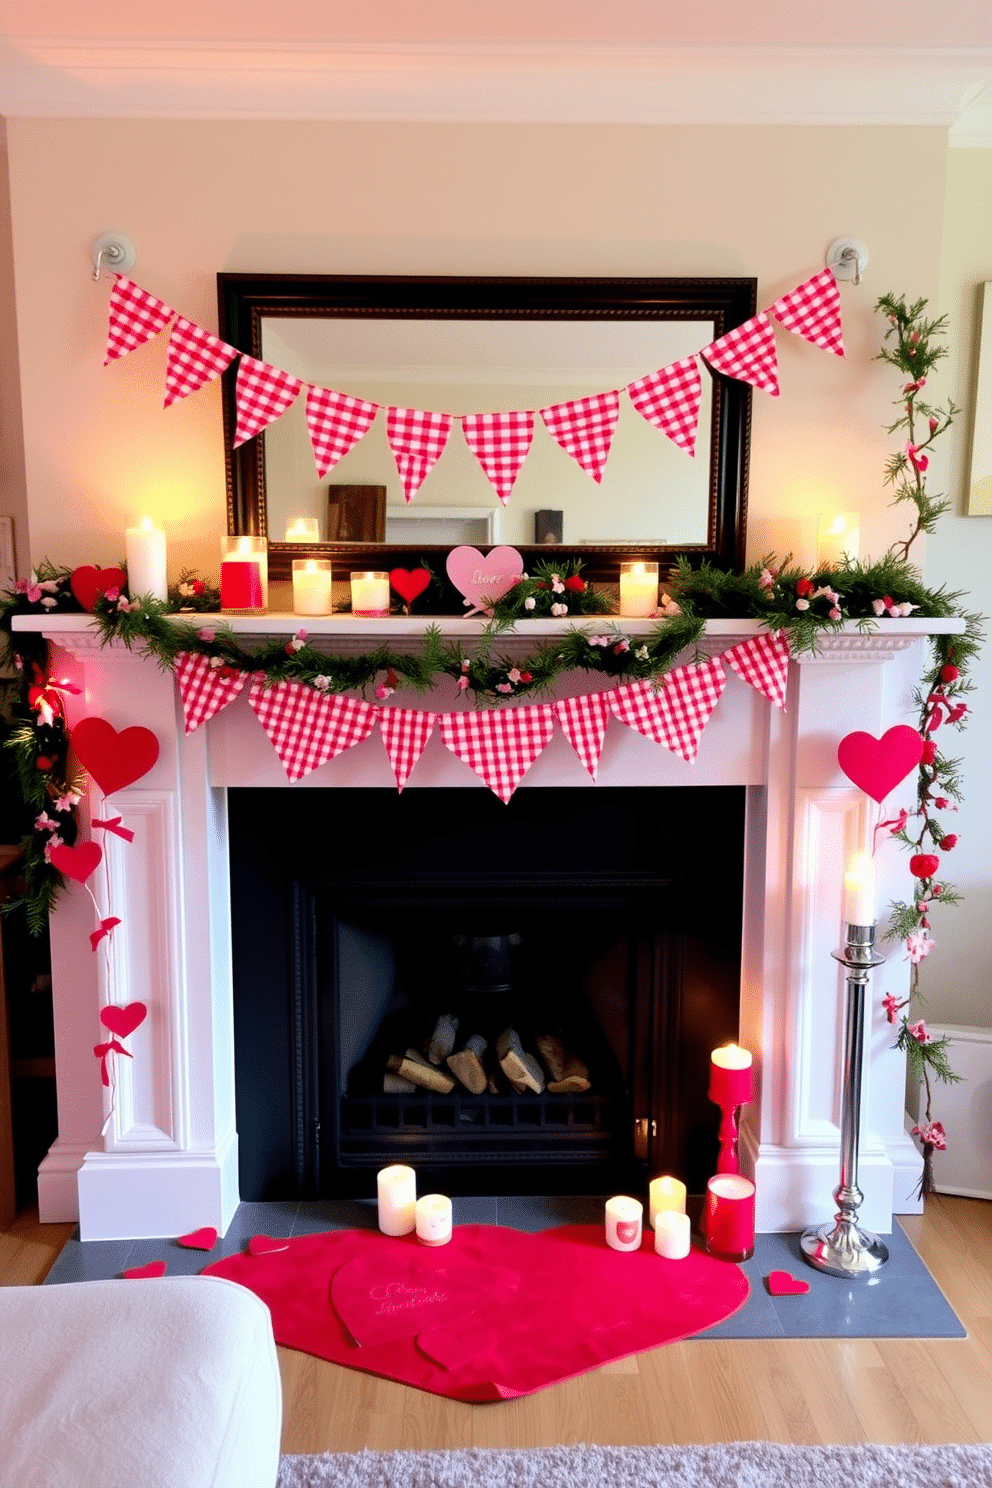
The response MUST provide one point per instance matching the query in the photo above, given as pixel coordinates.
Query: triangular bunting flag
(584, 429)
(669, 399)
(678, 712)
(405, 732)
(195, 358)
(500, 442)
(417, 439)
(499, 745)
(336, 422)
(307, 728)
(205, 687)
(263, 394)
(813, 311)
(134, 317)
(763, 661)
(583, 722)
(748, 354)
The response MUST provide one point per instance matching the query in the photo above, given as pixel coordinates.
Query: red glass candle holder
(730, 1088)
(728, 1219)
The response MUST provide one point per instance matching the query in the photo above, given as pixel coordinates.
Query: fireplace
(160, 1154)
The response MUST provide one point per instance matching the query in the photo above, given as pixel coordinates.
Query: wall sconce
(114, 251)
(847, 258)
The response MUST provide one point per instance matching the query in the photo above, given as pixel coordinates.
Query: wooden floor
(802, 1391)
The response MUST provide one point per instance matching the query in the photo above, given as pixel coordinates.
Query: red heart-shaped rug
(113, 759)
(204, 1239)
(88, 584)
(76, 862)
(387, 1295)
(782, 1284)
(154, 1268)
(453, 1347)
(260, 1245)
(876, 766)
(408, 583)
(123, 1020)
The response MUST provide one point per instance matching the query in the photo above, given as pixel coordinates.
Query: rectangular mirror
(979, 497)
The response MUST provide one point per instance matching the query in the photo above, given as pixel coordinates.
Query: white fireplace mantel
(168, 1161)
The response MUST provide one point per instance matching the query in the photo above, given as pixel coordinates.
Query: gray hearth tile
(882, 1306)
(335, 1214)
(252, 1218)
(533, 1213)
(474, 1211)
(89, 1260)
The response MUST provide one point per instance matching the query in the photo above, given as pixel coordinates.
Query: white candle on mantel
(397, 1190)
(370, 594)
(433, 1215)
(859, 891)
(665, 1195)
(303, 530)
(144, 554)
(672, 1237)
(623, 1223)
(638, 589)
(312, 587)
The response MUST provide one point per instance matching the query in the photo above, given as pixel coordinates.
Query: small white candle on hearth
(859, 891)
(144, 553)
(665, 1195)
(433, 1219)
(638, 589)
(397, 1190)
(672, 1235)
(370, 594)
(303, 530)
(623, 1223)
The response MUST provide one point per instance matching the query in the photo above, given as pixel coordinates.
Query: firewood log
(396, 1085)
(442, 1039)
(466, 1064)
(567, 1073)
(413, 1066)
(522, 1070)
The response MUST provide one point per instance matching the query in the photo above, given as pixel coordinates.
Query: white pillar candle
(672, 1236)
(433, 1215)
(397, 1190)
(638, 589)
(665, 1195)
(838, 536)
(370, 594)
(144, 553)
(302, 530)
(312, 584)
(623, 1223)
(859, 891)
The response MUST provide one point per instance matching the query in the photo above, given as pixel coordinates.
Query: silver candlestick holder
(843, 1248)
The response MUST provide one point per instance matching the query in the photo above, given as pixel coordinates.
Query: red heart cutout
(123, 1020)
(260, 1245)
(204, 1239)
(154, 1268)
(876, 766)
(391, 1294)
(781, 1284)
(113, 759)
(452, 1347)
(76, 862)
(88, 584)
(408, 583)
(627, 1230)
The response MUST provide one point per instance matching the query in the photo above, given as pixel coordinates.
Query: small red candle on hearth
(730, 1076)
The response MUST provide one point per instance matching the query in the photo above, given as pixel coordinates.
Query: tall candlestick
(312, 585)
(730, 1088)
(623, 1223)
(433, 1219)
(397, 1192)
(859, 891)
(144, 551)
(638, 589)
(665, 1196)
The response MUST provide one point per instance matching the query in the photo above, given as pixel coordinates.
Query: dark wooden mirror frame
(246, 299)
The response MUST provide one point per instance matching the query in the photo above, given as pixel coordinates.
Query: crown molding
(114, 77)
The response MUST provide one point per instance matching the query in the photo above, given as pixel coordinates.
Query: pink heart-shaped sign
(484, 579)
(408, 583)
(391, 1294)
(76, 862)
(782, 1284)
(876, 766)
(260, 1245)
(204, 1239)
(123, 1020)
(88, 584)
(154, 1268)
(113, 759)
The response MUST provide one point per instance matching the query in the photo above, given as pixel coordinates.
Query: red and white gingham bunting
(405, 732)
(195, 358)
(204, 687)
(336, 422)
(669, 399)
(763, 661)
(500, 442)
(263, 394)
(583, 722)
(813, 311)
(499, 745)
(417, 439)
(307, 728)
(585, 429)
(134, 317)
(678, 712)
(748, 354)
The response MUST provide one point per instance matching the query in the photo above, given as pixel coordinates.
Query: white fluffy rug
(736, 1465)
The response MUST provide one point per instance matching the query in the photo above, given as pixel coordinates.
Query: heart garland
(114, 760)
(90, 584)
(876, 766)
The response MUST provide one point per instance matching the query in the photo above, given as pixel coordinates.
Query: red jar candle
(728, 1221)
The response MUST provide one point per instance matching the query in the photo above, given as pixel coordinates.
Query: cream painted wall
(13, 490)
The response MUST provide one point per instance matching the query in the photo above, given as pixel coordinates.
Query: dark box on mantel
(549, 526)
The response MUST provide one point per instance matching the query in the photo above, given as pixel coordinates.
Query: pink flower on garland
(932, 1134)
(920, 1032)
(919, 944)
(891, 1005)
(919, 462)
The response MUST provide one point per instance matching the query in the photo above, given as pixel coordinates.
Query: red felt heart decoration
(88, 584)
(408, 583)
(204, 1239)
(154, 1268)
(781, 1284)
(76, 862)
(123, 1020)
(260, 1245)
(114, 759)
(876, 766)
